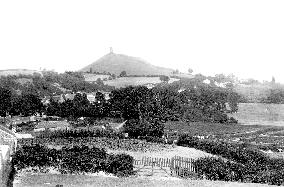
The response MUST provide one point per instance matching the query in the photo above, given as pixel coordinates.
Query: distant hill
(116, 63)
(18, 72)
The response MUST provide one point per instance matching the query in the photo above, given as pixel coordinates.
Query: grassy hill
(116, 63)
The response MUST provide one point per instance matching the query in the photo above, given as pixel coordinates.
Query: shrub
(218, 169)
(75, 160)
(83, 159)
(109, 133)
(35, 156)
(136, 128)
(152, 139)
(120, 165)
(246, 164)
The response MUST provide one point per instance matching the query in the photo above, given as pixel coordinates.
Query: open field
(89, 77)
(135, 81)
(207, 129)
(51, 180)
(260, 114)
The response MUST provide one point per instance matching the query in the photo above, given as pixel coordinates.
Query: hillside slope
(116, 63)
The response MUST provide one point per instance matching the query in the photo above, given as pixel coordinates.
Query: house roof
(52, 124)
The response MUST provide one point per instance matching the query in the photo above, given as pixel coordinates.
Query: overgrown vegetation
(74, 160)
(239, 162)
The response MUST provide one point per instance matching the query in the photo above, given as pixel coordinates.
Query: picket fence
(177, 165)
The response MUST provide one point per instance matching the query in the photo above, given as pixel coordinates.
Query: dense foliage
(49, 83)
(244, 163)
(136, 128)
(275, 96)
(100, 142)
(81, 133)
(76, 159)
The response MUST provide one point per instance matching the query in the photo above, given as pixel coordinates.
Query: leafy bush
(109, 133)
(273, 177)
(120, 165)
(152, 139)
(245, 164)
(235, 152)
(136, 128)
(77, 160)
(83, 159)
(35, 156)
(218, 169)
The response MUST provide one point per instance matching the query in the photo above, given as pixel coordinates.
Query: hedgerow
(82, 159)
(73, 160)
(120, 165)
(242, 162)
(35, 156)
(81, 133)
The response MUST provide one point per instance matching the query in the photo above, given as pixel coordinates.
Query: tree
(176, 71)
(164, 78)
(273, 80)
(233, 100)
(80, 105)
(142, 127)
(189, 70)
(100, 98)
(30, 104)
(5, 101)
(99, 81)
(123, 74)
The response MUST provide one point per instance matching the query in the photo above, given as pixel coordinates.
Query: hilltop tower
(110, 50)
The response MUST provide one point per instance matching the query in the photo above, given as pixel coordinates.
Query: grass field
(89, 77)
(260, 114)
(134, 81)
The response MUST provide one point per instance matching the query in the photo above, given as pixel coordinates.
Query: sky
(243, 37)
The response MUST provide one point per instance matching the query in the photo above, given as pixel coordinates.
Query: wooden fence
(178, 166)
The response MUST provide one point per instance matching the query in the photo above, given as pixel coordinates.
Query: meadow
(89, 77)
(260, 114)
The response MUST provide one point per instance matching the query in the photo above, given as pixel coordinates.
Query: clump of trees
(164, 78)
(50, 83)
(123, 74)
(274, 96)
(26, 104)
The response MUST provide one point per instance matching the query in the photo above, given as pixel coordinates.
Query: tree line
(163, 102)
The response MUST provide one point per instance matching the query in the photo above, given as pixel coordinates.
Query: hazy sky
(242, 37)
